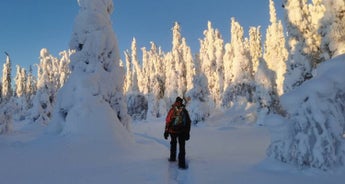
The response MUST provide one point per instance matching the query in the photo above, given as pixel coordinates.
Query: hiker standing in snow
(178, 127)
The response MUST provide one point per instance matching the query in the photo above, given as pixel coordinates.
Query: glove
(186, 136)
(166, 135)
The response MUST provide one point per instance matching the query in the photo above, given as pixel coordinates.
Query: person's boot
(171, 159)
(182, 165)
(182, 162)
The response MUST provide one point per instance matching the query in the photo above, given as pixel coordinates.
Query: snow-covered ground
(219, 151)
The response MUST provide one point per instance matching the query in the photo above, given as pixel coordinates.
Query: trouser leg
(182, 151)
(173, 143)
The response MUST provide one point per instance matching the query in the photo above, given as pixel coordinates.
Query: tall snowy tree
(137, 104)
(20, 103)
(62, 69)
(304, 40)
(175, 71)
(255, 47)
(30, 87)
(180, 65)
(145, 71)
(241, 86)
(171, 84)
(275, 52)
(332, 30)
(157, 79)
(265, 95)
(211, 58)
(6, 103)
(20, 82)
(199, 94)
(189, 63)
(137, 76)
(129, 68)
(96, 80)
(7, 91)
(44, 99)
(228, 61)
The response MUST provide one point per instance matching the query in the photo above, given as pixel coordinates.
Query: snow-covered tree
(265, 94)
(255, 47)
(128, 80)
(304, 40)
(332, 30)
(171, 84)
(7, 91)
(198, 105)
(6, 105)
(20, 82)
(178, 60)
(189, 63)
(157, 79)
(95, 86)
(241, 87)
(30, 87)
(137, 104)
(20, 100)
(211, 58)
(137, 74)
(311, 133)
(227, 60)
(275, 52)
(47, 87)
(62, 67)
(145, 72)
(315, 11)
(174, 70)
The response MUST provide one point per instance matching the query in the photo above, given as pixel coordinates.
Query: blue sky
(27, 26)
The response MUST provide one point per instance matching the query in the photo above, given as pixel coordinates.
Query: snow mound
(315, 121)
(85, 114)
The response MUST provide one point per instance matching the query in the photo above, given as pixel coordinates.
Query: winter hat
(179, 99)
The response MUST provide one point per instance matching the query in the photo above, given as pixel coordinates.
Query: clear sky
(27, 26)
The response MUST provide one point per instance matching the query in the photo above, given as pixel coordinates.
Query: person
(177, 125)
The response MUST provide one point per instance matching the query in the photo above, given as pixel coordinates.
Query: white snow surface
(225, 149)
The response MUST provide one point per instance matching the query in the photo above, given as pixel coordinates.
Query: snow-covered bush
(137, 106)
(198, 106)
(265, 94)
(315, 121)
(5, 122)
(6, 118)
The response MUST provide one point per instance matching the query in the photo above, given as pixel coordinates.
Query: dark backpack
(178, 121)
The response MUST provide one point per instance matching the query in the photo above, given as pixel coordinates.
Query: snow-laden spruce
(275, 52)
(311, 134)
(47, 87)
(94, 87)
